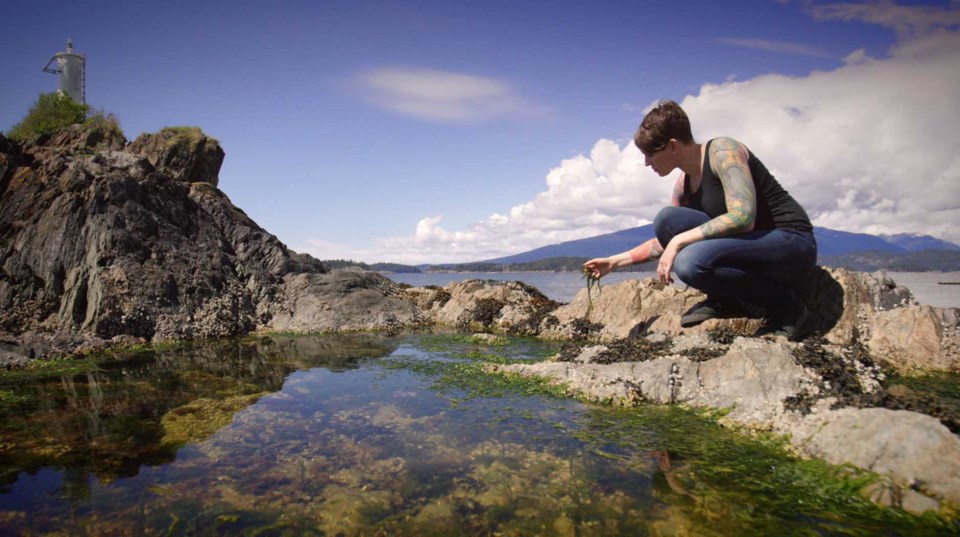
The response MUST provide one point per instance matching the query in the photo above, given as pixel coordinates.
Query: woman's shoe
(791, 322)
(711, 308)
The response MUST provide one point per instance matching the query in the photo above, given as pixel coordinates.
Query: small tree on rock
(51, 112)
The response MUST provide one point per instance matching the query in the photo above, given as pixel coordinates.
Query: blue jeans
(760, 267)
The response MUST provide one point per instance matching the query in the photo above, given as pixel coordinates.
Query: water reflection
(108, 423)
(345, 435)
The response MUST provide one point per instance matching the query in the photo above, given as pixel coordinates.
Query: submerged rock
(201, 418)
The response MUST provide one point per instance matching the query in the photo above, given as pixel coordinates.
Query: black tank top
(776, 209)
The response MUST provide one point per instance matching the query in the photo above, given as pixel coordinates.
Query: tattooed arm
(729, 161)
(646, 251)
(678, 198)
(602, 266)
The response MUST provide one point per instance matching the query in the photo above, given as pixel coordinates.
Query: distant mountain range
(856, 251)
(831, 244)
(914, 242)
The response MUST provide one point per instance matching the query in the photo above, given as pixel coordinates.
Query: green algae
(41, 369)
(944, 386)
(591, 281)
(743, 477)
(463, 370)
(201, 418)
(11, 398)
(468, 380)
(933, 394)
(725, 473)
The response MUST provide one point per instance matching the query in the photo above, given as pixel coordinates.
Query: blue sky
(459, 131)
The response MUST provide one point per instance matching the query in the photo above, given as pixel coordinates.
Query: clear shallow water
(370, 435)
(563, 286)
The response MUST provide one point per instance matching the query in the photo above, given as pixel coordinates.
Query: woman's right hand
(599, 267)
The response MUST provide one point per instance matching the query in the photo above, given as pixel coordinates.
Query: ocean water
(563, 286)
(928, 287)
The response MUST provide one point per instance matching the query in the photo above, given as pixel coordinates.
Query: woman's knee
(689, 269)
(664, 224)
(671, 221)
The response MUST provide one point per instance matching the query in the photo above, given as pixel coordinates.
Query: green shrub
(51, 112)
(180, 135)
(105, 121)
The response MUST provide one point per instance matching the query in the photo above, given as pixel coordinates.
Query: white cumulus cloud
(433, 95)
(870, 146)
(585, 195)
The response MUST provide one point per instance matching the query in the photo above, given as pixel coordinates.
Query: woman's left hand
(666, 262)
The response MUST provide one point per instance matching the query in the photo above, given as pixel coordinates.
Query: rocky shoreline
(105, 243)
(625, 346)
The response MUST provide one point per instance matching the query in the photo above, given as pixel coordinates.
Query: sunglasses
(656, 150)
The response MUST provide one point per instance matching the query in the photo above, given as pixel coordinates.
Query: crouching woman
(732, 231)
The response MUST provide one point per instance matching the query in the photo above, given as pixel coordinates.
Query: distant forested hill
(550, 264)
(334, 264)
(856, 251)
(922, 261)
(830, 243)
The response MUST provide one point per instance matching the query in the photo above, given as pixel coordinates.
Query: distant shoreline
(636, 271)
(871, 261)
(563, 286)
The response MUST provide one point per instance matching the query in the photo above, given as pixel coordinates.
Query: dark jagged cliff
(100, 238)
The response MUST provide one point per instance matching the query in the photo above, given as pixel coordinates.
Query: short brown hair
(667, 120)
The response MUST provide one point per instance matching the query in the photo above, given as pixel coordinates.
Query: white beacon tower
(71, 70)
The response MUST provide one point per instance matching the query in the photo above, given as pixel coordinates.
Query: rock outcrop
(182, 153)
(846, 308)
(825, 394)
(100, 239)
(512, 307)
(342, 301)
